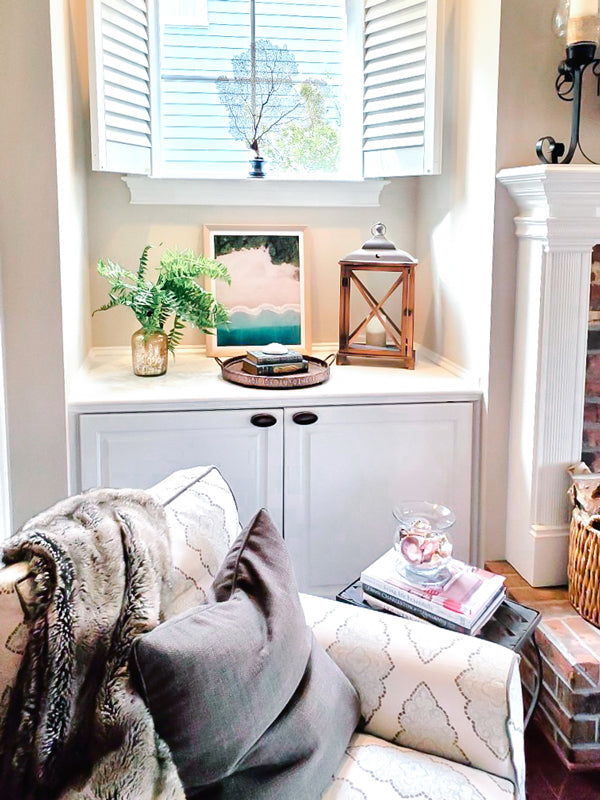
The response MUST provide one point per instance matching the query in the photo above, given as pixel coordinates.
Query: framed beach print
(268, 296)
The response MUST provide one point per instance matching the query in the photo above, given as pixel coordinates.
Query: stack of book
(258, 362)
(463, 602)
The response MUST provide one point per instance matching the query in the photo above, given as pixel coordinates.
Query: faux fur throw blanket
(75, 727)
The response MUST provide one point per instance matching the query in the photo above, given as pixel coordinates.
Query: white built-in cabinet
(140, 449)
(330, 474)
(344, 474)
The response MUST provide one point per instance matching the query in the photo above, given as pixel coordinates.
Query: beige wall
(29, 253)
(530, 108)
(455, 209)
(119, 230)
(70, 81)
(456, 222)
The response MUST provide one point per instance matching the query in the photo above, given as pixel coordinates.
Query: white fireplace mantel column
(558, 225)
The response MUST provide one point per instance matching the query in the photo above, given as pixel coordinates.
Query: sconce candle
(583, 26)
(583, 8)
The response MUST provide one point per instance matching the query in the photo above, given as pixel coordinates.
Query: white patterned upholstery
(374, 769)
(204, 523)
(443, 717)
(426, 688)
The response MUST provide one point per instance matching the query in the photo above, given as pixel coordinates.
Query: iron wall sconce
(579, 21)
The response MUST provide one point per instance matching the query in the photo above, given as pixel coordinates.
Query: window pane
(184, 12)
(313, 31)
(197, 126)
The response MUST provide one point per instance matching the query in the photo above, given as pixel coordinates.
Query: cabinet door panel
(137, 450)
(345, 473)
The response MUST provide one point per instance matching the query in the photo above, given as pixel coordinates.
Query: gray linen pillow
(248, 702)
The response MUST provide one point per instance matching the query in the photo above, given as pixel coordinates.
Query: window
(296, 52)
(355, 91)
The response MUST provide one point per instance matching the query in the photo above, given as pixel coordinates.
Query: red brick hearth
(569, 708)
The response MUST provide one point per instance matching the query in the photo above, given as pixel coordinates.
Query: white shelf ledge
(262, 192)
(106, 383)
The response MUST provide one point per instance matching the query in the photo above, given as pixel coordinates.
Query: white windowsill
(263, 192)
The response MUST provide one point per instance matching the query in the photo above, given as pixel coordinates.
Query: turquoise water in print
(259, 329)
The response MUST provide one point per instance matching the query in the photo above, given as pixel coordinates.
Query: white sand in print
(256, 282)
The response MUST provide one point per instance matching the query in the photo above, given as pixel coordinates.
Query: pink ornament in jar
(421, 540)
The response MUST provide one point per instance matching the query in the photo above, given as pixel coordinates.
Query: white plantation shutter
(402, 90)
(120, 86)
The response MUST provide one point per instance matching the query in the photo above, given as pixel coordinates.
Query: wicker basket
(584, 564)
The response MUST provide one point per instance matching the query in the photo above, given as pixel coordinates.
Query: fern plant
(176, 292)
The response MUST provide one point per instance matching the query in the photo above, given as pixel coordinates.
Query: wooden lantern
(378, 336)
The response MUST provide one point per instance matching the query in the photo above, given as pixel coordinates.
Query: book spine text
(425, 614)
(415, 600)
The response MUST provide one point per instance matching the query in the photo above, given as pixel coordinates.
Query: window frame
(300, 193)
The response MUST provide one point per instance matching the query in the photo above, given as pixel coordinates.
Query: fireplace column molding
(557, 227)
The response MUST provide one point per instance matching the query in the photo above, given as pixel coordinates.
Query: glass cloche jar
(421, 540)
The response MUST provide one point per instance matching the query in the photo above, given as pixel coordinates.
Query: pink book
(466, 591)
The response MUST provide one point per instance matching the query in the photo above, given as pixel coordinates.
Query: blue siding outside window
(194, 123)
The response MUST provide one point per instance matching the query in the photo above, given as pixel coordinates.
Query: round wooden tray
(318, 372)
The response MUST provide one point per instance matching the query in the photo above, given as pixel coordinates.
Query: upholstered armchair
(441, 713)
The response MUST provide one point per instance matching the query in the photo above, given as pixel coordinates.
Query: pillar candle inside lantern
(375, 333)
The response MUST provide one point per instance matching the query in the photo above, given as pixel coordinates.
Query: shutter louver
(402, 93)
(120, 86)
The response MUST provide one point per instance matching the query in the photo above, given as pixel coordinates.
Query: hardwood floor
(548, 779)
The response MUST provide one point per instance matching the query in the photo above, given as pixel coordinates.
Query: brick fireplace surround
(568, 712)
(591, 424)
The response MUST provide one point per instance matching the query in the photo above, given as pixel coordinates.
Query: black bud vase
(257, 167)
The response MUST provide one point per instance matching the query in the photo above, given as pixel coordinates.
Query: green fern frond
(177, 291)
(185, 264)
(113, 303)
(175, 335)
(115, 273)
(141, 273)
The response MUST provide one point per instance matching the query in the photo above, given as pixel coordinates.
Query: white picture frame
(268, 299)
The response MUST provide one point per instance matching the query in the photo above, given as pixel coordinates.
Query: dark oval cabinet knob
(263, 420)
(305, 418)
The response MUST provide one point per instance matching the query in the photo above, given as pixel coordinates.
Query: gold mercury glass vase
(149, 353)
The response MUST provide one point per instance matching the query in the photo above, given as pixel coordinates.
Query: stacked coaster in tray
(274, 359)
